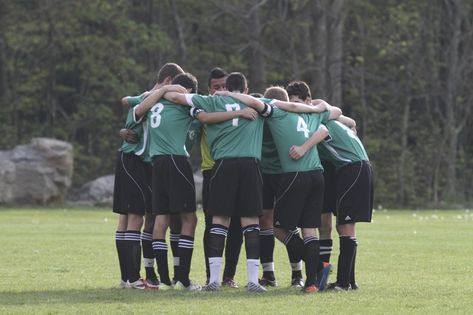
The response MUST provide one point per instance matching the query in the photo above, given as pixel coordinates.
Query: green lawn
(63, 261)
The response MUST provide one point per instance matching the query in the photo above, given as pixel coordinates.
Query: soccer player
(132, 198)
(300, 191)
(216, 82)
(165, 76)
(235, 187)
(353, 192)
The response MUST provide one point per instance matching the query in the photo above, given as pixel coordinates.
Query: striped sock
(121, 251)
(133, 245)
(160, 250)
(186, 248)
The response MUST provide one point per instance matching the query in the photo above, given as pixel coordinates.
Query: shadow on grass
(112, 295)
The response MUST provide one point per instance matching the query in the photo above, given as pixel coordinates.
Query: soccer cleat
(255, 287)
(138, 284)
(322, 277)
(267, 282)
(310, 289)
(211, 287)
(297, 283)
(165, 287)
(152, 284)
(191, 287)
(229, 283)
(122, 284)
(336, 287)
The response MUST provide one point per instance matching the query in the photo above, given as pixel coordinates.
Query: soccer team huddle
(277, 165)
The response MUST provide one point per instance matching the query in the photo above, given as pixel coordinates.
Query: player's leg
(232, 252)
(160, 247)
(186, 248)
(121, 249)
(311, 259)
(174, 237)
(250, 229)
(133, 240)
(148, 255)
(267, 248)
(295, 251)
(325, 230)
(216, 242)
(347, 254)
(208, 219)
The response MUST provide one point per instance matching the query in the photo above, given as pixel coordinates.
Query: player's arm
(347, 121)
(154, 97)
(249, 100)
(296, 152)
(179, 98)
(217, 117)
(128, 135)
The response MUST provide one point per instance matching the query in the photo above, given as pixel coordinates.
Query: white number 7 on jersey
(302, 127)
(230, 108)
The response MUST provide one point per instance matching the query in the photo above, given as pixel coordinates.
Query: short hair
(187, 80)
(256, 94)
(299, 89)
(169, 70)
(277, 93)
(216, 73)
(236, 81)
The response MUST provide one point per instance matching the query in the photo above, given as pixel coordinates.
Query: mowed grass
(63, 261)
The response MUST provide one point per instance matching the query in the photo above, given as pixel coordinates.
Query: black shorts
(132, 188)
(330, 189)
(355, 193)
(207, 174)
(270, 188)
(173, 185)
(299, 200)
(236, 188)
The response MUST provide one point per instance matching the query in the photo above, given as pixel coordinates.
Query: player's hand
(222, 93)
(129, 136)
(248, 113)
(296, 152)
(175, 88)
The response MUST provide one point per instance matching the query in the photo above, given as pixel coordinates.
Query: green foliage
(65, 65)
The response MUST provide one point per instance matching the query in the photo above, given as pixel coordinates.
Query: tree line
(402, 69)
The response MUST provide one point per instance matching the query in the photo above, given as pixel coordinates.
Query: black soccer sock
(217, 235)
(186, 247)
(160, 250)
(133, 241)
(208, 223)
(252, 247)
(352, 273)
(266, 237)
(121, 251)
(148, 256)
(326, 250)
(345, 259)
(174, 237)
(295, 251)
(233, 248)
(311, 258)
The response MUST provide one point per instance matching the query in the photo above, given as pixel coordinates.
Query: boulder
(38, 173)
(98, 192)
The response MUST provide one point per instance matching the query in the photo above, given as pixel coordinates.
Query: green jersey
(290, 129)
(231, 138)
(342, 146)
(137, 127)
(270, 163)
(169, 124)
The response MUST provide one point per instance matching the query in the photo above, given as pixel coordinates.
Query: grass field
(63, 261)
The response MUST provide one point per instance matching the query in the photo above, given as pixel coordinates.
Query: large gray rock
(38, 173)
(98, 191)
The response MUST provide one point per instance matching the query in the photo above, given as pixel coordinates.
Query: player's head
(256, 94)
(236, 82)
(167, 73)
(277, 93)
(298, 91)
(216, 82)
(187, 80)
